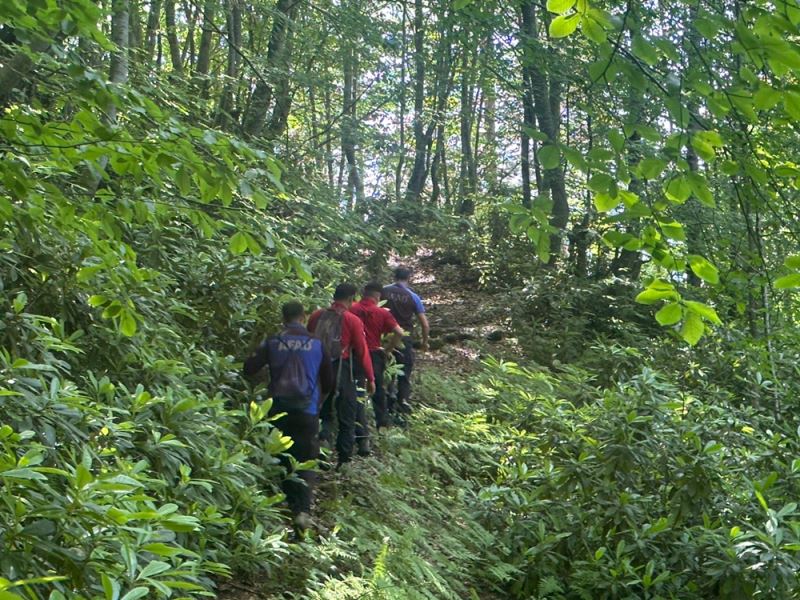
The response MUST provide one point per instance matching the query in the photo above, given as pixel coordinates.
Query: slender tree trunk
(172, 38)
(417, 181)
(466, 118)
(398, 175)
(151, 33)
(355, 185)
(256, 116)
(206, 39)
(547, 107)
(233, 29)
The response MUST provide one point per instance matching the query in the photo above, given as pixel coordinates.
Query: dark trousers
(379, 398)
(405, 357)
(303, 428)
(344, 403)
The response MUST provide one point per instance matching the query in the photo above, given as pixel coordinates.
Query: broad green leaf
(669, 314)
(238, 243)
(562, 26)
(549, 157)
(700, 189)
(560, 6)
(127, 323)
(593, 30)
(641, 48)
(788, 282)
(792, 262)
(692, 329)
(703, 269)
(154, 567)
(791, 102)
(704, 310)
(651, 296)
(678, 189)
(604, 202)
(97, 300)
(651, 168)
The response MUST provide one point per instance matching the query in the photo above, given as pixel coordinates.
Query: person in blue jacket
(300, 376)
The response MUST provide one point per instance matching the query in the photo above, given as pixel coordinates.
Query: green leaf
(678, 189)
(703, 269)
(154, 567)
(700, 189)
(791, 103)
(560, 6)
(127, 323)
(692, 329)
(651, 168)
(669, 314)
(604, 202)
(562, 26)
(641, 48)
(238, 243)
(136, 593)
(593, 30)
(97, 300)
(704, 310)
(788, 282)
(549, 157)
(792, 262)
(651, 296)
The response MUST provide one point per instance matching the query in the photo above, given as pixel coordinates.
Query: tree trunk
(206, 39)
(233, 27)
(256, 115)
(418, 173)
(151, 33)
(467, 185)
(355, 185)
(398, 174)
(172, 38)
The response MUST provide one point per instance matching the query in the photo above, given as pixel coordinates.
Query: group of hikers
(316, 372)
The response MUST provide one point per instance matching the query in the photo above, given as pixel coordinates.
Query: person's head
(293, 312)
(402, 273)
(345, 293)
(373, 290)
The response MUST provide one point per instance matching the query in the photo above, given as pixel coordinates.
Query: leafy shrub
(645, 492)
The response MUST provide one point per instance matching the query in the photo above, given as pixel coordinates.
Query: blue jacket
(275, 352)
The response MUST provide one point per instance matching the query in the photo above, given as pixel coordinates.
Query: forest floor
(401, 508)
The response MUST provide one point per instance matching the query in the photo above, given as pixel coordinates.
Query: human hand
(370, 387)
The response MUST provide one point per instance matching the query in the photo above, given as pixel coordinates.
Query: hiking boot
(363, 447)
(302, 522)
(404, 408)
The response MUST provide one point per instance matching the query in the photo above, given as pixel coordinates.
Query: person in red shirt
(342, 335)
(378, 321)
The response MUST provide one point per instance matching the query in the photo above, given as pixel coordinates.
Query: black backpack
(329, 331)
(293, 389)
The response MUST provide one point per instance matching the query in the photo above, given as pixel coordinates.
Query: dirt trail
(467, 323)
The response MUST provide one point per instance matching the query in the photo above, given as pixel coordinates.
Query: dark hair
(292, 311)
(373, 287)
(402, 273)
(344, 291)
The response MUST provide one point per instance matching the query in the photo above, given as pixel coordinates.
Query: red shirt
(353, 336)
(377, 320)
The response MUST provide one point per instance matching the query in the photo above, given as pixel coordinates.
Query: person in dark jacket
(300, 376)
(344, 333)
(406, 307)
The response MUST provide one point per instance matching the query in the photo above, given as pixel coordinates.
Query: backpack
(329, 331)
(293, 388)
